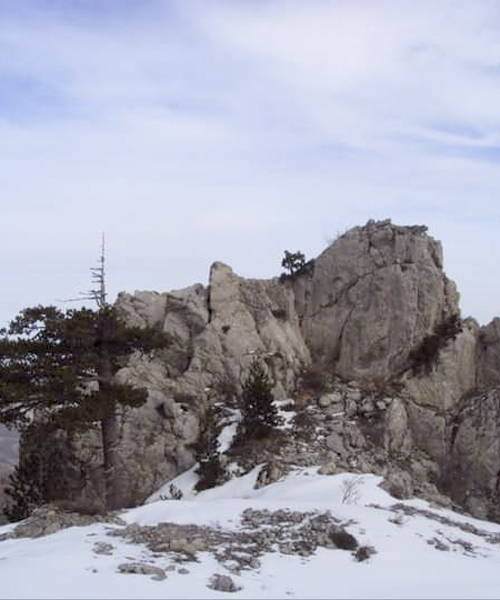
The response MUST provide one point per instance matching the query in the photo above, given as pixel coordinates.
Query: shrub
(279, 313)
(426, 354)
(351, 490)
(293, 262)
(48, 470)
(24, 492)
(174, 493)
(364, 553)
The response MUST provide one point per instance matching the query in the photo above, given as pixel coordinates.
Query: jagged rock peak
(374, 294)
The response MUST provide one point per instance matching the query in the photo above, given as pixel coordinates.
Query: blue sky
(193, 131)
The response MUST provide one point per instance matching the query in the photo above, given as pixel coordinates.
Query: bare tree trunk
(109, 424)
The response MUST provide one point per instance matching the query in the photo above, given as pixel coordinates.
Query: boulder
(223, 583)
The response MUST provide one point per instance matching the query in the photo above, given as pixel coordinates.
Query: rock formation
(403, 397)
(373, 296)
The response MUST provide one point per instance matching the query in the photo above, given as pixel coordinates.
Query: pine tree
(48, 469)
(57, 369)
(293, 262)
(259, 416)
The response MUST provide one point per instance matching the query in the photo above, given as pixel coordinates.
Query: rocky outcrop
(373, 296)
(435, 395)
(355, 316)
(214, 334)
(358, 312)
(471, 475)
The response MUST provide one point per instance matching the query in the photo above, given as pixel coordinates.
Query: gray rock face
(215, 333)
(9, 442)
(489, 356)
(472, 474)
(374, 295)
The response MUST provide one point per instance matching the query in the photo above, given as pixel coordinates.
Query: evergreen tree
(259, 416)
(293, 262)
(210, 469)
(48, 469)
(24, 492)
(57, 369)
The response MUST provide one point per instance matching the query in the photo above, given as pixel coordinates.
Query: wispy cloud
(192, 131)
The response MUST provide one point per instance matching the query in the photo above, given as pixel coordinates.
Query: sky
(191, 131)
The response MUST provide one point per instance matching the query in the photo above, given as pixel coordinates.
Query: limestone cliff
(360, 314)
(373, 296)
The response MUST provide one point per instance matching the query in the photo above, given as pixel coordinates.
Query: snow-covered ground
(417, 556)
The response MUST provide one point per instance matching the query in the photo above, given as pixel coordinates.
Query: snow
(228, 432)
(187, 481)
(285, 412)
(63, 565)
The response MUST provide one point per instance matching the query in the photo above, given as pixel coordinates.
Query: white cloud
(193, 134)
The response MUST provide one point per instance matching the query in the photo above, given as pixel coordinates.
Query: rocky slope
(305, 536)
(393, 382)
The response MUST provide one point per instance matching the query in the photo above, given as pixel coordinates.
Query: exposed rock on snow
(284, 531)
(49, 519)
(222, 583)
(143, 569)
(267, 544)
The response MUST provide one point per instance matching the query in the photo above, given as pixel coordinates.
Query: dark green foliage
(293, 262)
(259, 416)
(295, 265)
(23, 492)
(48, 358)
(210, 469)
(58, 368)
(46, 470)
(426, 354)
